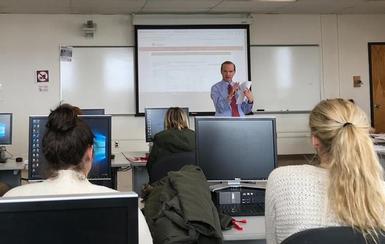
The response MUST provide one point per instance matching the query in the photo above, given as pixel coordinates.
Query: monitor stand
(3, 158)
(258, 184)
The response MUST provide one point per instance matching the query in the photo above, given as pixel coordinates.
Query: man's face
(227, 72)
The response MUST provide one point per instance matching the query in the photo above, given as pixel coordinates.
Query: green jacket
(171, 141)
(179, 209)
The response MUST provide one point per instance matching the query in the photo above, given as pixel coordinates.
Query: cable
(123, 169)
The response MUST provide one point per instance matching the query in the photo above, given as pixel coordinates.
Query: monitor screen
(101, 128)
(154, 121)
(5, 128)
(92, 111)
(76, 219)
(229, 148)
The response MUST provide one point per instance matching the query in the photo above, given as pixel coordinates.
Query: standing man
(226, 92)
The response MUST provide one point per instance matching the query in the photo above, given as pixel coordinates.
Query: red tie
(233, 104)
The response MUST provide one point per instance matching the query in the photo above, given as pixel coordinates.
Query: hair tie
(347, 124)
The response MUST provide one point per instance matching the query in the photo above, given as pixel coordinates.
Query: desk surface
(12, 165)
(119, 161)
(134, 159)
(254, 229)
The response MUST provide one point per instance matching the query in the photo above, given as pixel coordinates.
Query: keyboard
(256, 209)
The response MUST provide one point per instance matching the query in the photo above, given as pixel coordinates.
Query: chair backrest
(173, 162)
(330, 235)
(96, 218)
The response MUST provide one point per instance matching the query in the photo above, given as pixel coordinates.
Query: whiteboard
(99, 77)
(285, 77)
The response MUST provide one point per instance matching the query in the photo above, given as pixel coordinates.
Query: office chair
(173, 162)
(330, 235)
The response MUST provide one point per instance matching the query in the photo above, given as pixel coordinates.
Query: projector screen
(177, 65)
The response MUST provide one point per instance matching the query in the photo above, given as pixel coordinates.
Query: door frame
(370, 44)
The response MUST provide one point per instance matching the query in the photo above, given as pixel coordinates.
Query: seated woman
(345, 189)
(68, 148)
(176, 138)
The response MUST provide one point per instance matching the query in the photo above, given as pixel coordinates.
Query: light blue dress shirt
(219, 93)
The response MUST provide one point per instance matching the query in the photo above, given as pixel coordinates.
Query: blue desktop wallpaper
(99, 147)
(5, 128)
(2, 130)
(101, 163)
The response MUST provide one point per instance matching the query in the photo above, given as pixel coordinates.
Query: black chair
(173, 162)
(331, 235)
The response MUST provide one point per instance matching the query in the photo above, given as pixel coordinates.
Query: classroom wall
(355, 31)
(31, 42)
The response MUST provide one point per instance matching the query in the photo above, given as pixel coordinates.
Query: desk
(253, 231)
(10, 172)
(118, 162)
(139, 170)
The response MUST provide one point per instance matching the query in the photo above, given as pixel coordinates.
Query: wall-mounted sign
(66, 54)
(42, 76)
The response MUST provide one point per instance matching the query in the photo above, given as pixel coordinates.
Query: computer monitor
(101, 165)
(76, 219)
(154, 121)
(5, 128)
(92, 111)
(236, 148)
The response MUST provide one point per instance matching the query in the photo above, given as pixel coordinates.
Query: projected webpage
(177, 67)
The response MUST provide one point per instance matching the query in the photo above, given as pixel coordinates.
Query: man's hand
(249, 95)
(234, 88)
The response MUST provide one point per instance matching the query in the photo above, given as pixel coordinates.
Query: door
(377, 85)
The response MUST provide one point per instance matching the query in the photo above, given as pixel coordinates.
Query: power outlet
(116, 144)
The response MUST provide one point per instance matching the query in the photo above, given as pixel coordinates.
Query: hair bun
(62, 119)
(347, 124)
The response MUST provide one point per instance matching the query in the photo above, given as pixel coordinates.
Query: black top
(171, 141)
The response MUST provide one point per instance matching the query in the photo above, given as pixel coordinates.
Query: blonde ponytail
(356, 190)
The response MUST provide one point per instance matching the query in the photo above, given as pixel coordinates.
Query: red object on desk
(141, 159)
(133, 159)
(138, 159)
(236, 224)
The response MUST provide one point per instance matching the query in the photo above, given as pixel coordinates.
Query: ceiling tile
(191, 6)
